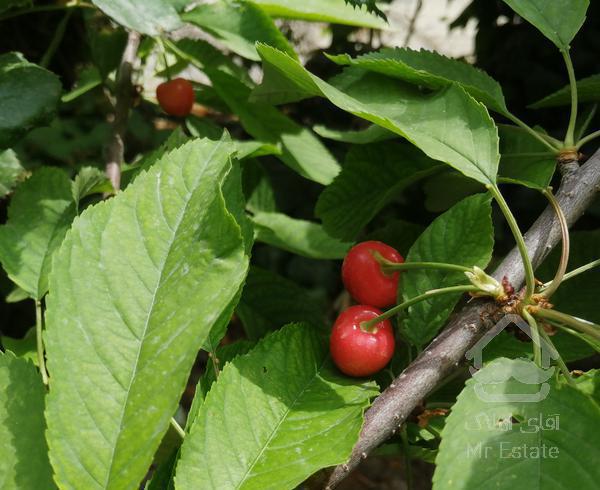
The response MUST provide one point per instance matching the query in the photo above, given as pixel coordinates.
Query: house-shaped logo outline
(475, 353)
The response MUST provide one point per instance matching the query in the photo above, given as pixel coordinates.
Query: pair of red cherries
(358, 351)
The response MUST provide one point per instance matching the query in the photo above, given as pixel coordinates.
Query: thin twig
(59, 33)
(564, 256)
(413, 21)
(124, 99)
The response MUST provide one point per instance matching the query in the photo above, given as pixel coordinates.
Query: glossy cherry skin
(363, 277)
(355, 351)
(176, 97)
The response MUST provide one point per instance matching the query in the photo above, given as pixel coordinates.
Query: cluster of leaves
(129, 289)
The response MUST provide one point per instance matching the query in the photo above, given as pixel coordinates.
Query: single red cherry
(363, 277)
(176, 96)
(359, 352)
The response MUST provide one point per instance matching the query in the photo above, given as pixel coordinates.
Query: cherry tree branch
(391, 409)
(124, 98)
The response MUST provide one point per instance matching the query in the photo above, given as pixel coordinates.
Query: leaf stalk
(39, 326)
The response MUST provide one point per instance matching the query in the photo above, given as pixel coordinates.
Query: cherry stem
(576, 272)
(535, 337)
(578, 324)
(564, 257)
(368, 325)
(388, 266)
(546, 140)
(163, 51)
(514, 227)
(39, 326)
(177, 427)
(569, 137)
(559, 360)
(587, 139)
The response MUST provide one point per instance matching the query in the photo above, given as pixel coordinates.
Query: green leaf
(106, 43)
(558, 20)
(176, 139)
(89, 79)
(224, 354)
(588, 90)
(162, 260)
(372, 177)
(270, 301)
(464, 137)
(25, 348)
(332, 11)
(589, 383)
(10, 171)
(28, 96)
(397, 233)
(39, 215)
(201, 127)
(300, 416)
(518, 444)
(462, 235)
(150, 17)
(372, 134)
(16, 295)
(24, 461)
(204, 55)
(298, 236)
(88, 181)
(258, 190)
(370, 5)
(432, 70)
(444, 189)
(523, 159)
(238, 27)
(301, 150)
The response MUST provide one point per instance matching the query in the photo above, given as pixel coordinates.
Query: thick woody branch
(391, 409)
(124, 98)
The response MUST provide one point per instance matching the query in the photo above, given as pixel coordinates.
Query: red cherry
(176, 96)
(355, 351)
(363, 277)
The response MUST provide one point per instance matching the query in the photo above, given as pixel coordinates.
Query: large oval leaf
(301, 150)
(297, 236)
(239, 27)
(300, 415)
(430, 69)
(371, 177)
(136, 287)
(24, 461)
(333, 11)
(28, 97)
(39, 215)
(150, 17)
(588, 90)
(545, 444)
(558, 20)
(449, 125)
(524, 159)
